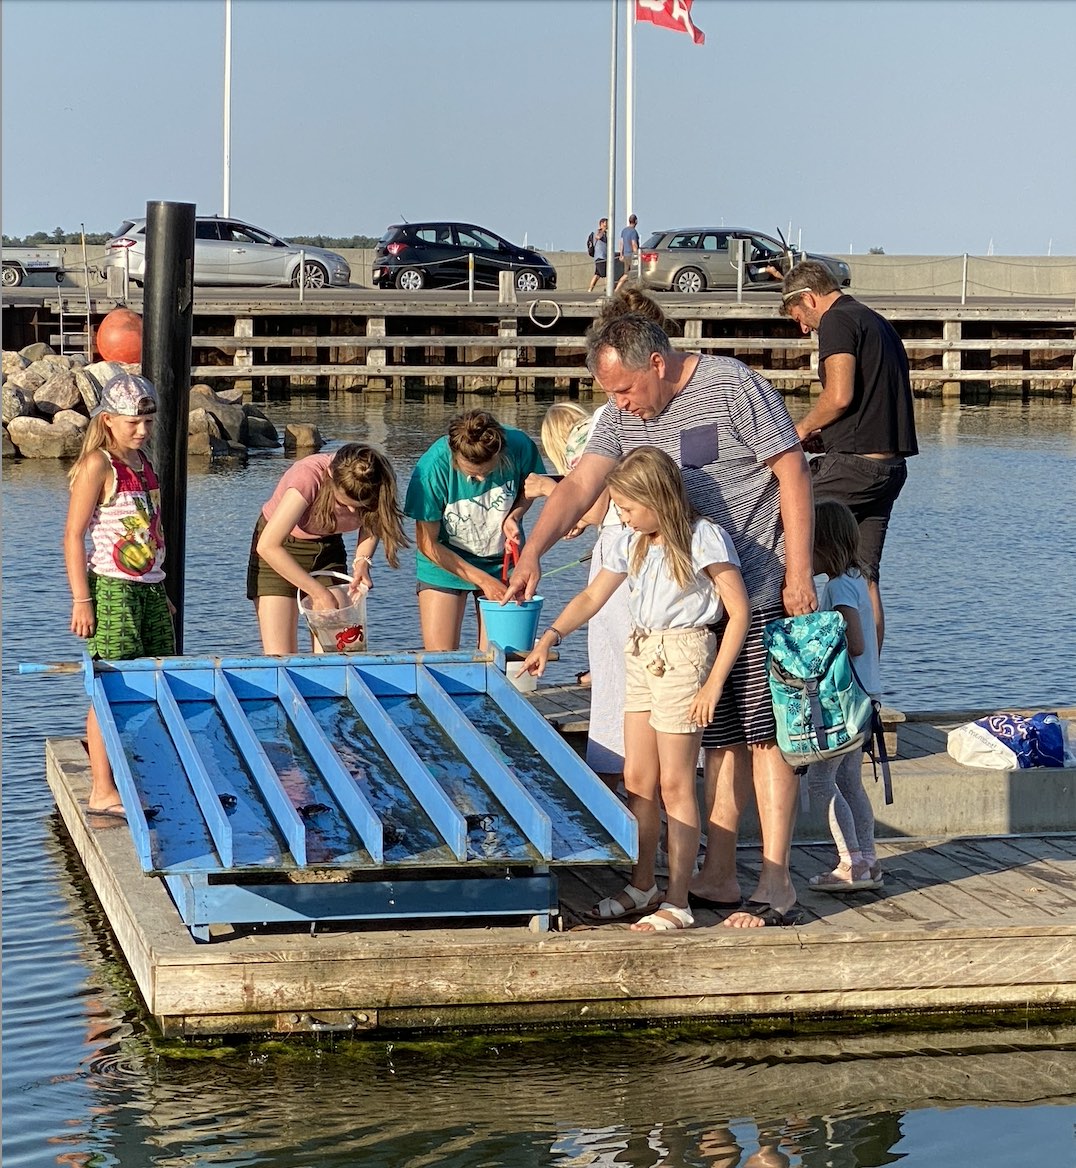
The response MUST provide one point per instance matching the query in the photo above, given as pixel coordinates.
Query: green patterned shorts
(132, 620)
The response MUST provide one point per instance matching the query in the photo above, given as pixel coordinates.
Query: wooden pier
(966, 923)
(363, 341)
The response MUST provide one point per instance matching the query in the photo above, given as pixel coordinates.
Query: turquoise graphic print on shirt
(470, 514)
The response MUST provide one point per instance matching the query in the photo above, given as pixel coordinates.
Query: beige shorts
(665, 671)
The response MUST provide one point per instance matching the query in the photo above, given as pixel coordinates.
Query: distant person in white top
(838, 782)
(628, 250)
(683, 575)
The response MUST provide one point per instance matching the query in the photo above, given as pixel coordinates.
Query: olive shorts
(131, 620)
(326, 554)
(664, 673)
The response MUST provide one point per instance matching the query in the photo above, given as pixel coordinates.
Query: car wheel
(314, 276)
(527, 281)
(411, 279)
(690, 280)
(12, 276)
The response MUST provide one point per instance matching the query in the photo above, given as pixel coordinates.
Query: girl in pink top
(300, 531)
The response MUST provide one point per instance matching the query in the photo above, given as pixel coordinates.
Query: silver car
(229, 251)
(696, 259)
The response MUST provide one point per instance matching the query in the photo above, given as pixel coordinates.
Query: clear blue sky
(920, 126)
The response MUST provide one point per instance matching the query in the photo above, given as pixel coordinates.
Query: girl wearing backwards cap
(118, 599)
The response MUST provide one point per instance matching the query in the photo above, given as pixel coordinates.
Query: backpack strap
(818, 718)
(874, 743)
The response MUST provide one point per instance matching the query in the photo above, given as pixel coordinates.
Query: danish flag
(674, 14)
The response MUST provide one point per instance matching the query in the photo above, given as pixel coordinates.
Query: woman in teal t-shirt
(466, 498)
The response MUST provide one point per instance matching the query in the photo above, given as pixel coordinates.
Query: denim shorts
(868, 487)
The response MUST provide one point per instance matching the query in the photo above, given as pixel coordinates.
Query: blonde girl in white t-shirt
(682, 573)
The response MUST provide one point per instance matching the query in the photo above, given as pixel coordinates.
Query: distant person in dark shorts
(628, 251)
(864, 417)
(601, 253)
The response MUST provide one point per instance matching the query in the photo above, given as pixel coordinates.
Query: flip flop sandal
(682, 919)
(112, 811)
(610, 909)
(769, 915)
(694, 900)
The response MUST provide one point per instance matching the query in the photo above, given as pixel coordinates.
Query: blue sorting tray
(423, 781)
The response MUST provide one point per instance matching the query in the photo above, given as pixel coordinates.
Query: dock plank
(943, 935)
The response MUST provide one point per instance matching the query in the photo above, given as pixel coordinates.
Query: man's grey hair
(633, 338)
(807, 276)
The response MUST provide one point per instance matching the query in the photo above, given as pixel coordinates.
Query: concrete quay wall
(872, 275)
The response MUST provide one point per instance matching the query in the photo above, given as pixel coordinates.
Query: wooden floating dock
(966, 923)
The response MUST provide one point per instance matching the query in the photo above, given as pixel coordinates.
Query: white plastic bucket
(342, 630)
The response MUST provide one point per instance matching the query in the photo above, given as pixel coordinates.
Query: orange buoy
(119, 337)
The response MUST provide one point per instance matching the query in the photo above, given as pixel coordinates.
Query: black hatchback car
(412, 256)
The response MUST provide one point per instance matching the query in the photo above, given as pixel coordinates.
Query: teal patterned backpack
(822, 711)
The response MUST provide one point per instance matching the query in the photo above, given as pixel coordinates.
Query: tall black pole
(167, 312)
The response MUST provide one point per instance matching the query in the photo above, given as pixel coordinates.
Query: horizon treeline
(58, 236)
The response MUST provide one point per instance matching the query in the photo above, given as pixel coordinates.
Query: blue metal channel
(609, 811)
(450, 823)
(349, 798)
(528, 816)
(410, 836)
(280, 807)
(201, 784)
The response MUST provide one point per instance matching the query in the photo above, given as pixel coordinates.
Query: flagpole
(629, 112)
(610, 252)
(226, 201)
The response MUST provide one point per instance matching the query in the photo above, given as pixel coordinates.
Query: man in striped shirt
(743, 466)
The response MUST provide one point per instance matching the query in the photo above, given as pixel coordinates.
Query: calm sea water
(980, 611)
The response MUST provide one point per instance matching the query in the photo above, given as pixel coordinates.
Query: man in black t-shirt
(864, 416)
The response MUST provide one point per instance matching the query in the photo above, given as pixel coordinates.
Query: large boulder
(36, 438)
(26, 379)
(13, 362)
(16, 404)
(232, 419)
(8, 450)
(60, 392)
(203, 433)
(261, 433)
(51, 364)
(36, 351)
(88, 389)
(102, 371)
(301, 436)
(232, 394)
(71, 418)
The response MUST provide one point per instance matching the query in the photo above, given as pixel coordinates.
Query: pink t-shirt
(306, 477)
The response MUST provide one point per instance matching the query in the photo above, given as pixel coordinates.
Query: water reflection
(977, 586)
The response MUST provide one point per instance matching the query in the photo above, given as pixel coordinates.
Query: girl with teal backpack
(825, 685)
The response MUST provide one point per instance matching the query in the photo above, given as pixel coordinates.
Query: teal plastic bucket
(513, 626)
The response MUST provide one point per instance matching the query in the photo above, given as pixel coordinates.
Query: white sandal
(610, 909)
(682, 919)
